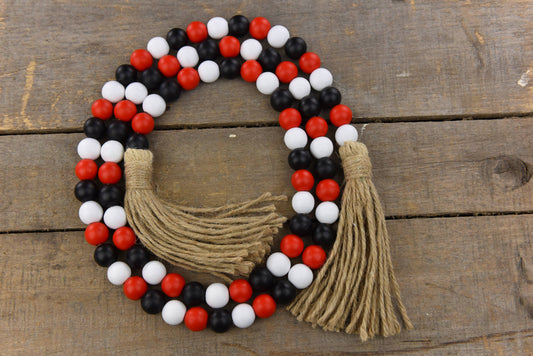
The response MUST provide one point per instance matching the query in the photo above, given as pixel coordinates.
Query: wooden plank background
(434, 86)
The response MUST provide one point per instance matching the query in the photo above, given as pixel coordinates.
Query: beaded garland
(125, 115)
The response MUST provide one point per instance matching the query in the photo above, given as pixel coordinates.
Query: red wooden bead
(240, 290)
(309, 61)
(302, 180)
(250, 70)
(188, 78)
(141, 59)
(197, 31)
(286, 71)
(172, 284)
(290, 118)
(142, 123)
(327, 190)
(196, 319)
(292, 246)
(109, 173)
(229, 46)
(96, 233)
(86, 169)
(168, 65)
(124, 110)
(316, 127)
(124, 238)
(340, 115)
(259, 28)
(314, 256)
(102, 109)
(264, 306)
(135, 287)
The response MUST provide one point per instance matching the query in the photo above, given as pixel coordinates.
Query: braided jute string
(356, 290)
(225, 241)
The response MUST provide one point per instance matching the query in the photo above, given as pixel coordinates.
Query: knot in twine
(355, 160)
(139, 169)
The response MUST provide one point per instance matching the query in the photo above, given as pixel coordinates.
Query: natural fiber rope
(225, 241)
(356, 288)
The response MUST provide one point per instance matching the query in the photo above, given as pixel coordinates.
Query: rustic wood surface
(442, 99)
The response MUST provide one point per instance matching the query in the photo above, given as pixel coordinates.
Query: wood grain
(461, 280)
(391, 59)
(429, 168)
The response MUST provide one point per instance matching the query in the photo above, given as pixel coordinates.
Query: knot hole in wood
(506, 172)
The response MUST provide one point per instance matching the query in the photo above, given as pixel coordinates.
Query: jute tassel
(356, 288)
(227, 241)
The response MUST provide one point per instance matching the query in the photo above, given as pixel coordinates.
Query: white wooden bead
(158, 47)
(90, 212)
(154, 105)
(217, 27)
(299, 88)
(320, 78)
(267, 82)
(303, 202)
(153, 272)
(115, 217)
(89, 148)
(118, 273)
(217, 295)
(136, 92)
(345, 133)
(112, 151)
(208, 71)
(295, 138)
(113, 91)
(173, 312)
(278, 264)
(243, 315)
(187, 56)
(327, 212)
(251, 49)
(321, 147)
(278, 36)
(300, 276)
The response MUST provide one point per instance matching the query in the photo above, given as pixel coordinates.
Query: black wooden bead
(325, 168)
(309, 106)
(238, 25)
(281, 99)
(208, 50)
(138, 141)
(329, 97)
(295, 47)
(94, 127)
(169, 90)
(117, 130)
(151, 78)
(284, 292)
(269, 59)
(324, 235)
(137, 256)
(220, 320)
(301, 225)
(230, 68)
(110, 195)
(300, 158)
(105, 255)
(86, 190)
(193, 294)
(261, 280)
(126, 74)
(153, 301)
(177, 38)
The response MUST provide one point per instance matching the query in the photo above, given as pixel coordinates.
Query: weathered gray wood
(430, 168)
(463, 280)
(391, 59)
